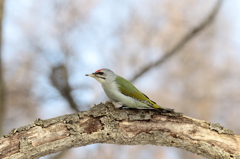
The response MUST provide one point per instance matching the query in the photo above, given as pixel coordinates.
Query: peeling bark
(105, 124)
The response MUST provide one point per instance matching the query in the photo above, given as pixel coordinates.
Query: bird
(124, 93)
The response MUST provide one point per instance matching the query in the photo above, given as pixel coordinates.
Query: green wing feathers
(129, 89)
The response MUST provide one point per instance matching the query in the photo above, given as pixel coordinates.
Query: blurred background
(49, 45)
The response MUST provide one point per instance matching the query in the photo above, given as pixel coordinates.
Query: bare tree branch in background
(106, 124)
(209, 19)
(59, 78)
(1, 71)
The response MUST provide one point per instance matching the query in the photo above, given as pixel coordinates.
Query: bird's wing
(128, 89)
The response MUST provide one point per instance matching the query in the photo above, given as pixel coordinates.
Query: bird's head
(103, 75)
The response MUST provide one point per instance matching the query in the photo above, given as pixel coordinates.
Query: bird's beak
(91, 75)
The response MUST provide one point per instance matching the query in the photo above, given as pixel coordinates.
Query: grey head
(103, 75)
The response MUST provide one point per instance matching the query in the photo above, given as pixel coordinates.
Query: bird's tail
(167, 110)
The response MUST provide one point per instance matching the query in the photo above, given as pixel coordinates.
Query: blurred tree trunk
(1, 70)
(105, 124)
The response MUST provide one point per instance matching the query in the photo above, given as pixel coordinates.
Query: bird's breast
(111, 90)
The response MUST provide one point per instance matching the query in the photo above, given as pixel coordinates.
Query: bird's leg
(117, 104)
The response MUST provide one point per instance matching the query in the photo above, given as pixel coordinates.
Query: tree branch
(60, 80)
(206, 22)
(105, 124)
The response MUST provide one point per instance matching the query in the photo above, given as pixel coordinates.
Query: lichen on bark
(104, 123)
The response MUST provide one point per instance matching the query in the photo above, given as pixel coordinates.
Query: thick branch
(189, 36)
(105, 124)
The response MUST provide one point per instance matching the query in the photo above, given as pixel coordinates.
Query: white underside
(113, 93)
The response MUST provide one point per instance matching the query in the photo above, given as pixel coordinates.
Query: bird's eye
(100, 73)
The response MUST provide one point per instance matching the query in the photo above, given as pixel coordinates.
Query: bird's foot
(117, 104)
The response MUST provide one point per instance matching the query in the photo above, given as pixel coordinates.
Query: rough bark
(105, 124)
